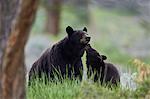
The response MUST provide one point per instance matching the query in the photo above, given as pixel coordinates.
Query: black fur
(64, 56)
(107, 73)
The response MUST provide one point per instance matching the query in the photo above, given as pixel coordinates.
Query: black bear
(64, 57)
(107, 73)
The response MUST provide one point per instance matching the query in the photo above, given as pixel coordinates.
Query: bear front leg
(78, 69)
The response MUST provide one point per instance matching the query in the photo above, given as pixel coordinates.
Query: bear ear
(85, 29)
(69, 30)
(104, 57)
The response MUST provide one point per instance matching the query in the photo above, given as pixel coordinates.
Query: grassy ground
(109, 30)
(75, 89)
(65, 90)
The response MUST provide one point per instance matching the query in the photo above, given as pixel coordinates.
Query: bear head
(78, 37)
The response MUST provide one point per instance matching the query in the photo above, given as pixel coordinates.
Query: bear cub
(64, 57)
(106, 73)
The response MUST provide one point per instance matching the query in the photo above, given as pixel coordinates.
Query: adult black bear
(64, 57)
(107, 73)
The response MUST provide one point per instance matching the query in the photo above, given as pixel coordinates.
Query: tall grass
(74, 89)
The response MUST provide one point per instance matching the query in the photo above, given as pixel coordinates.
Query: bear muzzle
(85, 40)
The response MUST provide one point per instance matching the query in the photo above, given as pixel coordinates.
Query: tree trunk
(7, 14)
(53, 10)
(13, 69)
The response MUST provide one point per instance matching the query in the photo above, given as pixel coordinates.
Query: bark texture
(7, 14)
(13, 68)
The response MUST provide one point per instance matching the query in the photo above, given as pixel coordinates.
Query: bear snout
(85, 40)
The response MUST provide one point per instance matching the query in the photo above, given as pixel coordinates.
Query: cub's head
(93, 56)
(78, 37)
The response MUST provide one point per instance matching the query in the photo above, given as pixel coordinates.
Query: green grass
(74, 89)
(54, 90)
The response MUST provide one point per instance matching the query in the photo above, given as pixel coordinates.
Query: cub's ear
(85, 29)
(69, 30)
(104, 57)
